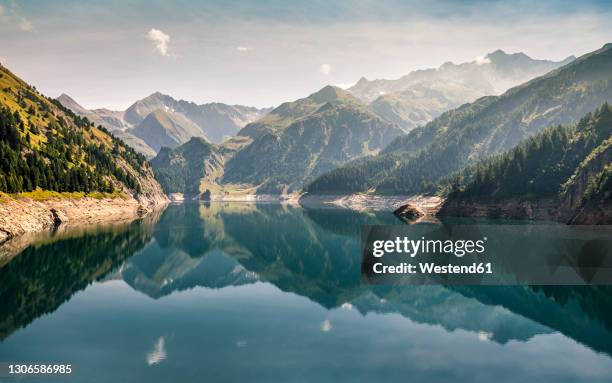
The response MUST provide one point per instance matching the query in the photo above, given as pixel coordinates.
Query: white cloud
(325, 69)
(25, 25)
(481, 60)
(160, 39)
(345, 85)
(243, 49)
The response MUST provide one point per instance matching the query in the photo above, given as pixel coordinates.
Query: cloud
(243, 49)
(1, 9)
(325, 69)
(344, 85)
(160, 39)
(482, 60)
(25, 25)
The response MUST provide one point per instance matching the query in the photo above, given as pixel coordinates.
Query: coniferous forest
(543, 166)
(44, 145)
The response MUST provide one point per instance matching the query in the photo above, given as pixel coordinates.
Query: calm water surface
(244, 292)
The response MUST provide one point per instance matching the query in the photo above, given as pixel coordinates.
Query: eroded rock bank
(508, 209)
(20, 216)
(599, 213)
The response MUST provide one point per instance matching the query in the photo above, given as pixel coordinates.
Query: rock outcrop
(20, 216)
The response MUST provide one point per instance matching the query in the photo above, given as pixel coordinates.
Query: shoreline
(20, 216)
(359, 202)
(283, 198)
(363, 202)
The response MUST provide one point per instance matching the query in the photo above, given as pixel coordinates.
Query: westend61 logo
(486, 254)
(412, 247)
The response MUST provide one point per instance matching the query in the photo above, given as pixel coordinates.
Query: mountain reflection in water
(269, 258)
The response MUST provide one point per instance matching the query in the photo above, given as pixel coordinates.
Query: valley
(343, 147)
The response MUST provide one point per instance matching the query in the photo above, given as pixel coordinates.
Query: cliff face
(588, 199)
(151, 196)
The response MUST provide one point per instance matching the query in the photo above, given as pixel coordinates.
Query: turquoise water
(244, 292)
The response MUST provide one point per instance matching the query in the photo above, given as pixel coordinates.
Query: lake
(235, 292)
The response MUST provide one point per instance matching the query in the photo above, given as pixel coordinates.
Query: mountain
(562, 174)
(422, 95)
(216, 121)
(135, 143)
(280, 152)
(45, 145)
(181, 170)
(160, 128)
(110, 119)
(172, 122)
(289, 112)
(414, 163)
(300, 140)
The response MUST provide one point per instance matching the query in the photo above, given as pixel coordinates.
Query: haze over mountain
(416, 162)
(160, 120)
(422, 95)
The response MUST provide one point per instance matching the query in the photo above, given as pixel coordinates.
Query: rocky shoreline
(540, 210)
(19, 216)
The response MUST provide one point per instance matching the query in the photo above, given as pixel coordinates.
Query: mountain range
(373, 137)
(281, 152)
(418, 161)
(300, 140)
(159, 120)
(422, 95)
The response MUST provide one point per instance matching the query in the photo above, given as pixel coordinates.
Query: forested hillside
(415, 163)
(301, 140)
(44, 145)
(181, 170)
(569, 165)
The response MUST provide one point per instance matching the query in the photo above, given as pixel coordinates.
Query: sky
(261, 53)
